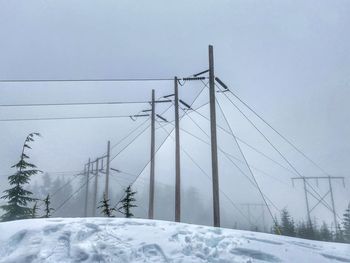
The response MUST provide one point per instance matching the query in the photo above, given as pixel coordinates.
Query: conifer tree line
(310, 230)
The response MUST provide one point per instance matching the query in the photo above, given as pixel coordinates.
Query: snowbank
(124, 240)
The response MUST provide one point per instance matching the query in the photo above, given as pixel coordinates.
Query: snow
(138, 240)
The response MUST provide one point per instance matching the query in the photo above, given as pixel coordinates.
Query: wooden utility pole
(214, 150)
(87, 188)
(151, 183)
(329, 192)
(177, 155)
(107, 170)
(95, 190)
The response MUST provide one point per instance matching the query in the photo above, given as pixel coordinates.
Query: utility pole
(177, 155)
(107, 170)
(329, 192)
(153, 132)
(95, 191)
(151, 183)
(87, 187)
(214, 150)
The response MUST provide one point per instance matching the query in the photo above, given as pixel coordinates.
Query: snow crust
(138, 240)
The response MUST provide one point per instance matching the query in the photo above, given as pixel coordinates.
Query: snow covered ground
(136, 240)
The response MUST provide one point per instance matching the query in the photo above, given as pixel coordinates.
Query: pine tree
(339, 235)
(106, 209)
(48, 209)
(306, 230)
(127, 203)
(287, 224)
(18, 198)
(346, 224)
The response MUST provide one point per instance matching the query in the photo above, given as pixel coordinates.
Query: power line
(199, 93)
(73, 194)
(73, 103)
(246, 143)
(66, 184)
(282, 136)
(256, 183)
(202, 170)
(279, 152)
(86, 80)
(229, 156)
(66, 118)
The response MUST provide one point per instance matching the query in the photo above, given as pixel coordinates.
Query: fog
(289, 60)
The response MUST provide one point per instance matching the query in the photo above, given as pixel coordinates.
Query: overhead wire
(202, 170)
(73, 194)
(280, 134)
(74, 103)
(259, 188)
(227, 155)
(279, 152)
(64, 118)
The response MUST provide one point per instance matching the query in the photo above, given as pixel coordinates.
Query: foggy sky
(290, 60)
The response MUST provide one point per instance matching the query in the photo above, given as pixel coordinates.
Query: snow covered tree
(105, 206)
(48, 209)
(127, 203)
(287, 224)
(346, 224)
(18, 198)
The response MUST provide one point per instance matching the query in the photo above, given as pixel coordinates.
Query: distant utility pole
(214, 150)
(152, 159)
(329, 192)
(177, 155)
(95, 190)
(151, 183)
(87, 174)
(106, 193)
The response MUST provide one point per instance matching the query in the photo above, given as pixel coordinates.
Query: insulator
(200, 73)
(221, 83)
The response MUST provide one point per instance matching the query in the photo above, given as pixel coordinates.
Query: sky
(289, 60)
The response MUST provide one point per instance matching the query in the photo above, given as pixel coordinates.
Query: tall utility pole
(214, 150)
(107, 170)
(177, 155)
(329, 192)
(87, 188)
(151, 183)
(95, 190)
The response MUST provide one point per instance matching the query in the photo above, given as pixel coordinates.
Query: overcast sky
(290, 60)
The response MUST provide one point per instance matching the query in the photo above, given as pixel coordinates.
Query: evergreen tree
(127, 203)
(106, 209)
(48, 209)
(35, 210)
(339, 235)
(18, 198)
(306, 230)
(346, 224)
(287, 224)
(325, 233)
